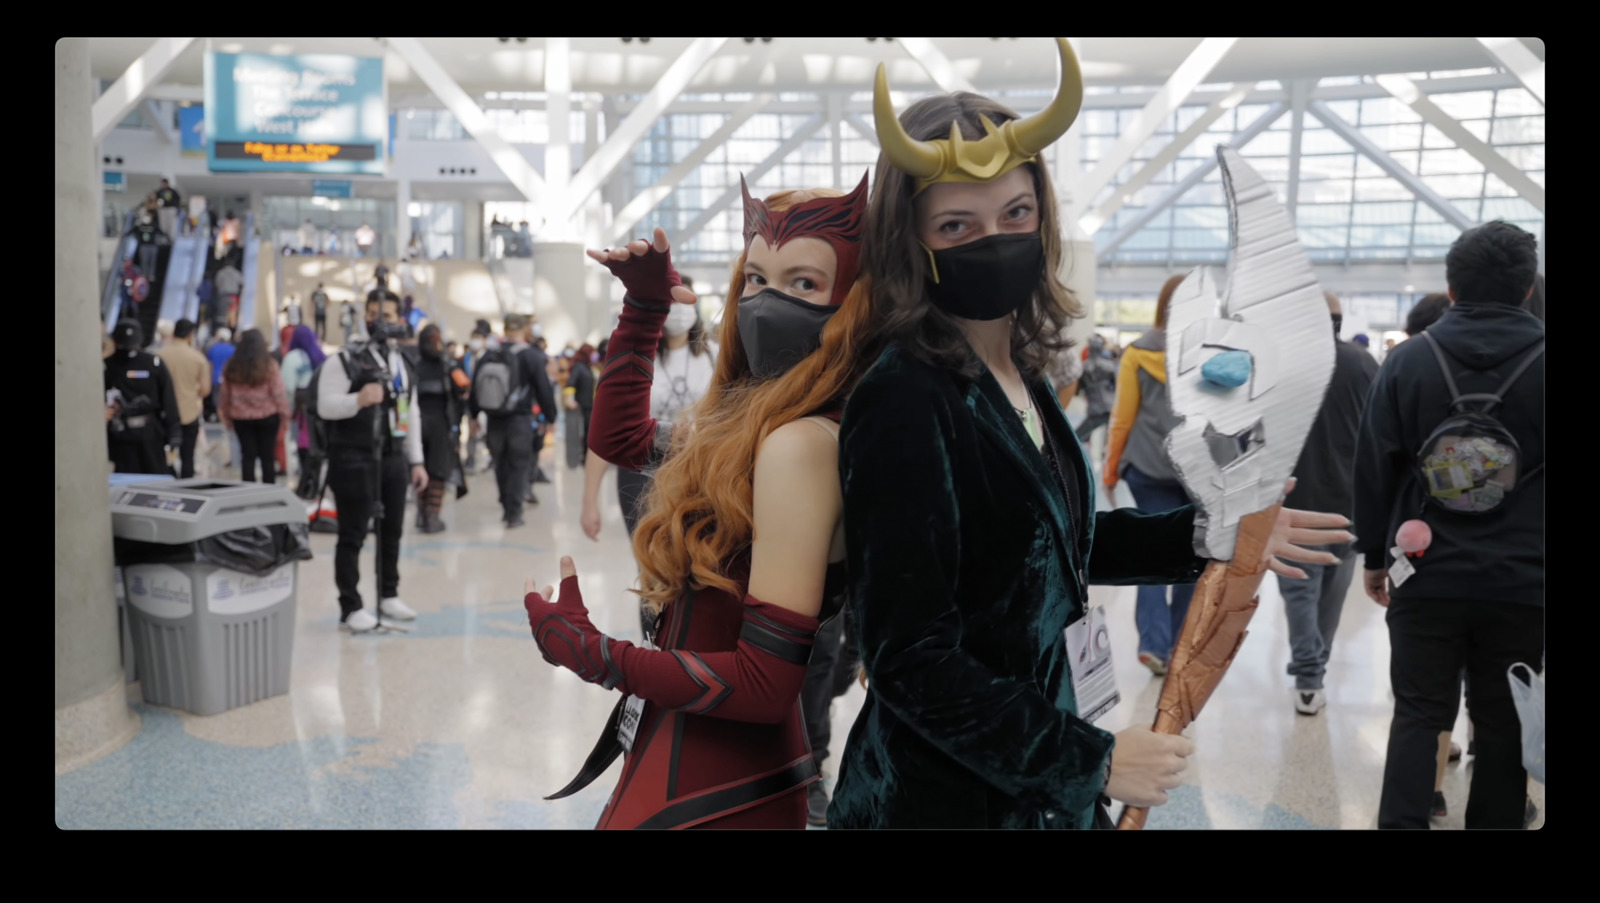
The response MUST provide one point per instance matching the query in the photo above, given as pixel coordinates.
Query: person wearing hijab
(442, 387)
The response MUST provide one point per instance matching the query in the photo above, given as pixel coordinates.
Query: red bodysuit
(700, 764)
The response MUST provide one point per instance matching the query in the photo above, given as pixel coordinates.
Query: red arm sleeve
(757, 682)
(622, 430)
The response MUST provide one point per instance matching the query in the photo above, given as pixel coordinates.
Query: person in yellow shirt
(191, 383)
(1136, 451)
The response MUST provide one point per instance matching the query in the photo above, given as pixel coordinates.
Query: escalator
(186, 269)
(117, 301)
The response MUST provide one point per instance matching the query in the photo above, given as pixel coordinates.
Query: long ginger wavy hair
(699, 513)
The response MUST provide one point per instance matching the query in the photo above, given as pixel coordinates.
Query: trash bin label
(159, 590)
(233, 593)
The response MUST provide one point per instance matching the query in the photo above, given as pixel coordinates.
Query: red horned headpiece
(837, 221)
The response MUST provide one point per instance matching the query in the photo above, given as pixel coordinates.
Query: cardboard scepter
(1251, 366)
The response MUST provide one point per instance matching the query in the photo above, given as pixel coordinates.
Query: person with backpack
(1449, 511)
(1136, 451)
(300, 364)
(371, 393)
(347, 320)
(1099, 387)
(502, 382)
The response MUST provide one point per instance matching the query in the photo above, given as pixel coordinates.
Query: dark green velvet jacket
(968, 561)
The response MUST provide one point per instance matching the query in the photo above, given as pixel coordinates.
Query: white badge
(1402, 568)
(632, 714)
(1094, 680)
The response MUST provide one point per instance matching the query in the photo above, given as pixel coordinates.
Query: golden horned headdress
(1001, 150)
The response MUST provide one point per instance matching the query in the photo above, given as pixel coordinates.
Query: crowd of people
(868, 473)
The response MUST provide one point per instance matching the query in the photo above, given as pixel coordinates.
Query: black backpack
(1471, 463)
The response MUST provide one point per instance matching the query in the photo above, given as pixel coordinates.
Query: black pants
(256, 441)
(1430, 640)
(511, 445)
(817, 693)
(191, 434)
(1090, 424)
(139, 451)
(322, 326)
(350, 477)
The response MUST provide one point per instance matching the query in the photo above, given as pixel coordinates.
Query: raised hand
(646, 270)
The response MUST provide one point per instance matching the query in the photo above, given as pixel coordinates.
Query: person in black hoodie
(1313, 604)
(1476, 597)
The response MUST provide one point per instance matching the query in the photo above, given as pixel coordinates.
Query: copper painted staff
(1250, 366)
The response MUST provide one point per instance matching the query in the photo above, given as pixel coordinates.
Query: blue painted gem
(1230, 369)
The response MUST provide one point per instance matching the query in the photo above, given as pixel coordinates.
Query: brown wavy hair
(898, 263)
(699, 513)
(251, 364)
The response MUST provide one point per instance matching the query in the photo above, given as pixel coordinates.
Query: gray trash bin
(209, 568)
(129, 671)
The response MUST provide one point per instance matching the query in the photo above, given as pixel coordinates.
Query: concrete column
(560, 295)
(471, 231)
(402, 218)
(92, 716)
(1078, 272)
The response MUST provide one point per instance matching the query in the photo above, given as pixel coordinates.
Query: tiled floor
(461, 724)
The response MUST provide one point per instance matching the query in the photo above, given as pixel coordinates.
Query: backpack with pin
(1471, 463)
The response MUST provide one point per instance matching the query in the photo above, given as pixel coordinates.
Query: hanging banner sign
(310, 113)
(192, 131)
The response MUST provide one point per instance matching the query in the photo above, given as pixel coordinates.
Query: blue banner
(116, 181)
(192, 131)
(311, 113)
(331, 188)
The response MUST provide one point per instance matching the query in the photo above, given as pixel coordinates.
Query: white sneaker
(392, 607)
(360, 621)
(1309, 702)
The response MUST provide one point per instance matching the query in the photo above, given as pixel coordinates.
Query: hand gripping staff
(1271, 313)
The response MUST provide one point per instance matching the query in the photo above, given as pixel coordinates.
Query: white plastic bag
(1528, 696)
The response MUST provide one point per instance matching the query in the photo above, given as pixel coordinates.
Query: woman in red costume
(740, 547)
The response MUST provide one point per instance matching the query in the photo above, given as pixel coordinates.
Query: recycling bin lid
(180, 511)
(136, 479)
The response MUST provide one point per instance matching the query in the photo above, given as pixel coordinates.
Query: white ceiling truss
(685, 67)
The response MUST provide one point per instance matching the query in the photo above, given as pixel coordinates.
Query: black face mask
(1338, 320)
(986, 279)
(778, 331)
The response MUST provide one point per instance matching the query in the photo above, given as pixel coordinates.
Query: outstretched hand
(1296, 529)
(564, 633)
(646, 271)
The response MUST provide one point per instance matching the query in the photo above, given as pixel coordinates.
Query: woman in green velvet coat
(969, 509)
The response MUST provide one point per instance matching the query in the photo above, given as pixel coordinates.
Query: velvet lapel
(998, 420)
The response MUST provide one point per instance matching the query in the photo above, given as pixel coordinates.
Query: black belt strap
(701, 807)
(605, 752)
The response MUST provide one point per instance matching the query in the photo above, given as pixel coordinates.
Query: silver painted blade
(1273, 308)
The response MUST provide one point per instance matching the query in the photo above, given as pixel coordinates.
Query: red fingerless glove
(649, 277)
(760, 681)
(568, 639)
